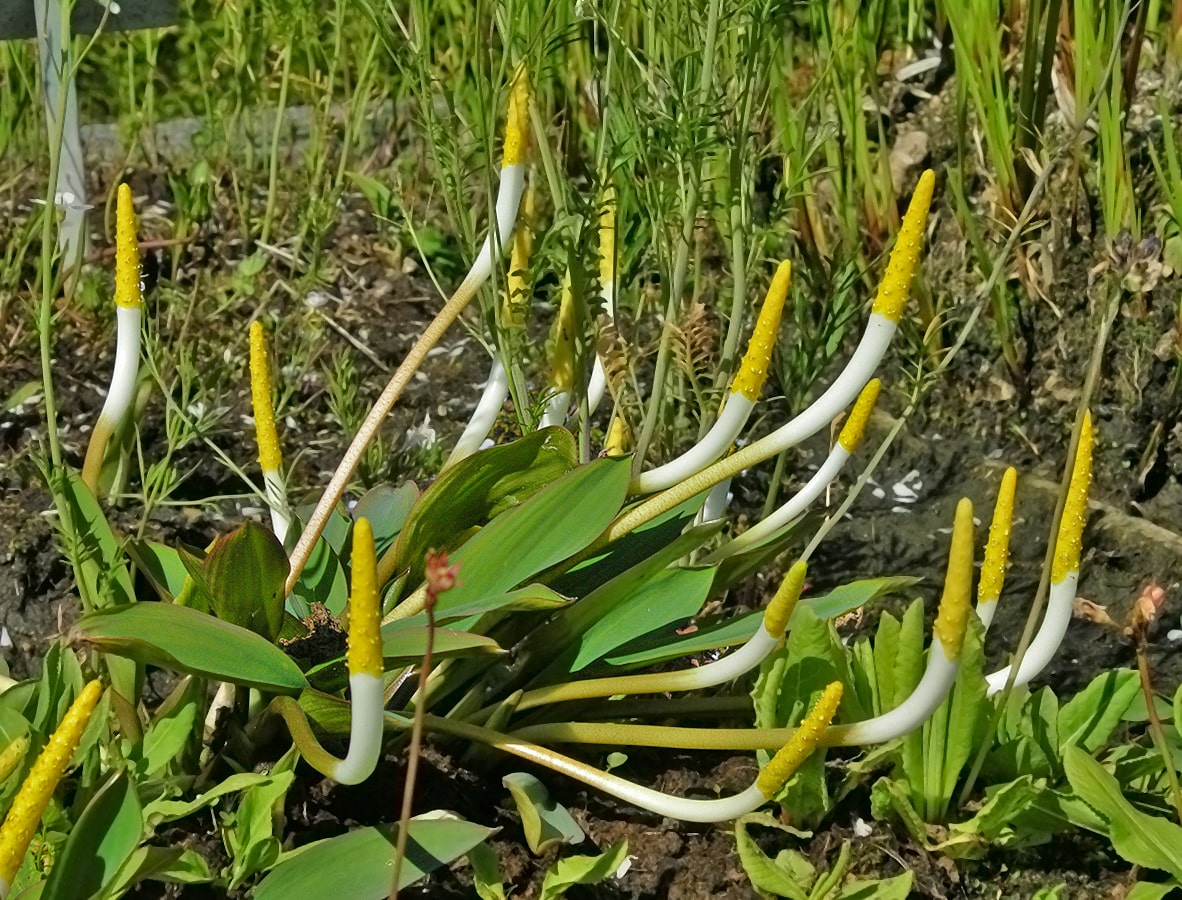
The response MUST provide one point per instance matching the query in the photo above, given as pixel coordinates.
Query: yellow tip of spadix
(562, 360)
(365, 611)
(779, 611)
(127, 252)
(517, 119)
(270, 459)
(855, 424)
(607, 237)
(618, 438)
(1075, 512)
(753, 371)
(997, 547)
(803, 742)
(29, 804)
(953, 615)
(896, 281)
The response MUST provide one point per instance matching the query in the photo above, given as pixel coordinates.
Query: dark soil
(978, 418)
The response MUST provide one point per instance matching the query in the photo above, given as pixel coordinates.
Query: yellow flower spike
(607, 237)
(953, 616)
(127, 252)
(997, 547)
(803, 742)
(517, 119)
(29, 805)
(1069, 544)
(562, 362)
(753, 371)
(618, 438)
(270, 459)
(779, 611)
(365, 609)
(517, 284)
(896, 281)
(13, 756)
(855, 424)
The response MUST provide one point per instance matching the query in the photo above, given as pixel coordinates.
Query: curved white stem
(933, 687)
(786, 514)
(556, 409)
(597, 386)
(365, 730)
(721, 435)
(716, 502)
(508, 199)
(487, 410)
(869, 353)
(1046, 642)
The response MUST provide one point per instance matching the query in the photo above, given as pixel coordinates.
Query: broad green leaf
(849, 597)
(1139, 838)
(908, 669)
(409, 643)
(1014, 814)
(249, 831)
(168, 735)
(476, 489)
(954, 731)
(322, 581)
(669, 598)
(897, 888)
(164, 810)
(552, 525)
(61, 681)
(790, 876)
(99, 564)
(106, 833)
(632, 550)
(546, 823)
(1147, 890)
(161, 565)
(386, 507)
(1088, 719)
(1178, 709)
(531, 598)
(663, 647)
(171, 865)
(572, 870)
(486, 873)
(244, 574)
(358, 866)
(184, 640)
(563, 631)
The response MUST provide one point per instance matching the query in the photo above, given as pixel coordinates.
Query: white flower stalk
(562, 361)
(1064, 574)
(997, 549)
(716, 503)
(847, 442)
(514, 309)
(266, 434)
(364, 656)
(769, 637)
(942, 666)
(741, 400)
(492, 398)
(513, 154)
(884, 320)
(772, 778)
(597, 386)
(128, 318)
(29, 805)
(943, 656)
(509, 193)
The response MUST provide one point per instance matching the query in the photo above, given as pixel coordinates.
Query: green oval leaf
(478, 488)
(358, 865)
(545, 822)
(185, 640)
(106, 833)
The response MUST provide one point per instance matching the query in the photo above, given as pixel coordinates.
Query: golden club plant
(657, 491)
